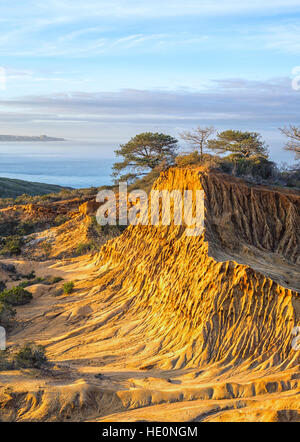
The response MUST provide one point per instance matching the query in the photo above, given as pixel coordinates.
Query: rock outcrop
(228, 297)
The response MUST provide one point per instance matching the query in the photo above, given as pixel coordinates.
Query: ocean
(77, 164)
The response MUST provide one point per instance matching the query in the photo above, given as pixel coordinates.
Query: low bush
(30, 275)
(48, 280)
(291, 175)
(7, 314)
(101, 234)
(54, 279)
(188, 159)
(26, 228)
(15, 296)
(83, 247)
(194, 158)
(68, 287)
(60, 219)
(255, 166)
(47, 249)
(15, 227)
(30, 356)
(5, 364)
(25, 284)
(12, 245)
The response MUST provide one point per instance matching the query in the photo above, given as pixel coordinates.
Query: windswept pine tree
(244, 144)
(143, 153)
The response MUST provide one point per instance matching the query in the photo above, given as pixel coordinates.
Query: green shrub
(194, 158)
(68, 287)
(47, 248)
(5, 202)
(291, 175)
(12, 245)
(85, 247)
(15, 296)
(30, 356)
(101, 234)
(25, 228)
(5, 364)
(48, 280)
(82, 248)
(23, 199)
(25, 284)
(187, 159)
(12, 227)
(30, 275)
(53, 279)
(7, 313)
(255, 166)
(60, 219)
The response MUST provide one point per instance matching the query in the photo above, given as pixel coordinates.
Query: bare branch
(198, 137)
(293, 134)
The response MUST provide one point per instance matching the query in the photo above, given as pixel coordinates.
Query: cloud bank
(114, 116)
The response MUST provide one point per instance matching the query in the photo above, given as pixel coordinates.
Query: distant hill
(26, 138)
(11, 188)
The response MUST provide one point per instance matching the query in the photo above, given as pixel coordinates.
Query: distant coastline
(27, 138)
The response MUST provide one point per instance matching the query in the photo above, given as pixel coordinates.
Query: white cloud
(94, 27)
(284, 38)
(156, 8)
(228, 103)
(234, 100)
(71, 45)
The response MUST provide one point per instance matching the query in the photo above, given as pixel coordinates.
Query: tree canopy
(293, 144)
(143, 153)
(244, 144)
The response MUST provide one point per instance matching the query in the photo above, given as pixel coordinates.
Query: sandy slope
(165, 327)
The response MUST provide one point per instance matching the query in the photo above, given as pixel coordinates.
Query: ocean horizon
(69, 163)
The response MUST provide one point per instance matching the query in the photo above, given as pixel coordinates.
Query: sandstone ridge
(180, 328)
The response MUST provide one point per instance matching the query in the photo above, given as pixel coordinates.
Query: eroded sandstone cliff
(203, 321)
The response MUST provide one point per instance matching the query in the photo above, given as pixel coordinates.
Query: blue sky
(108, 70)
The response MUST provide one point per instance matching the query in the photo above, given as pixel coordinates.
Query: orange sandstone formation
(181, 328)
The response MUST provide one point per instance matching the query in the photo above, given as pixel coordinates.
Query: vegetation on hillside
(256, 169)
(15, 296)
(235, 152)
(68, 287)
(44, 199)
(12, 188)
(30, 355)
(7, 313)
(18, 295)
(27, 356)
